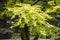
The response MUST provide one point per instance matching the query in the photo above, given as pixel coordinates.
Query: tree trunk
(25, 35)
(36, 37)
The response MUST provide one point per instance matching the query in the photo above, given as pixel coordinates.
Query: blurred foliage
(43, 23)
